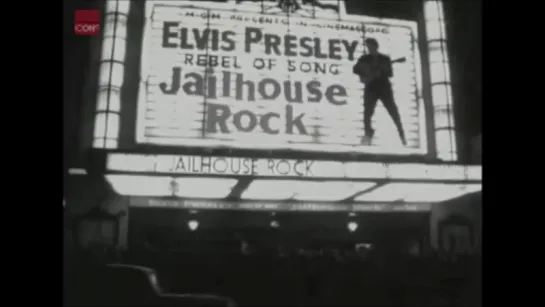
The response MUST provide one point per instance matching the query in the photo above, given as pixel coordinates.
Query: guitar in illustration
(369, 71)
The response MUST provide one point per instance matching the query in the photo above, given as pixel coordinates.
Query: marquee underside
(245, 183)
(285, 195)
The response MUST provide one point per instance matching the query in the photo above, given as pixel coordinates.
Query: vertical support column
(440, 81)
(342, 9)
(111, 75)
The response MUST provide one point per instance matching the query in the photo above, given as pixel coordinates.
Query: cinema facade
(246, 115)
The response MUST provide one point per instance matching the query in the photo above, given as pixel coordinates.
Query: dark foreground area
(323, 279)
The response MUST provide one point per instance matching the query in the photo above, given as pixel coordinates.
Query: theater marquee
(240, 79)
(256, 180)
(268, 167)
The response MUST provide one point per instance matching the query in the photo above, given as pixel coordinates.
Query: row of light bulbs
(193, 224)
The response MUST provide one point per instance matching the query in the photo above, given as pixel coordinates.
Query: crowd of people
(369, 277)
(321, 280)
(283, 272)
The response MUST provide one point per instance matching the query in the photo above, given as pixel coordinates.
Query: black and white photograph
(272, 153)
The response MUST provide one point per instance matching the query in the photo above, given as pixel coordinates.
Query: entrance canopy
(245, 183)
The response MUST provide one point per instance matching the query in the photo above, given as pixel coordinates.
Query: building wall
(477, 149)
(85, 192)
(79, 71)
(466, 69)
(469, 206)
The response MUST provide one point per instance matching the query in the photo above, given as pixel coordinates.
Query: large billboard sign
(243, 79)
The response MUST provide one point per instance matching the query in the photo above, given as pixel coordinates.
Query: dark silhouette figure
(375, 70)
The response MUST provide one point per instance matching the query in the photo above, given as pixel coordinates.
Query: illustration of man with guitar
(375, 71)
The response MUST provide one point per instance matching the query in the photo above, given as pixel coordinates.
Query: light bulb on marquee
(352, 226)
(193, 225)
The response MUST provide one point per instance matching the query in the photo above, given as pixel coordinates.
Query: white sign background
(181, 119)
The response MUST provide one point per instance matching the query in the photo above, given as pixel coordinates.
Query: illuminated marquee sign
(207, 165)
(236, 166)
(256, 167)
(248, 80)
